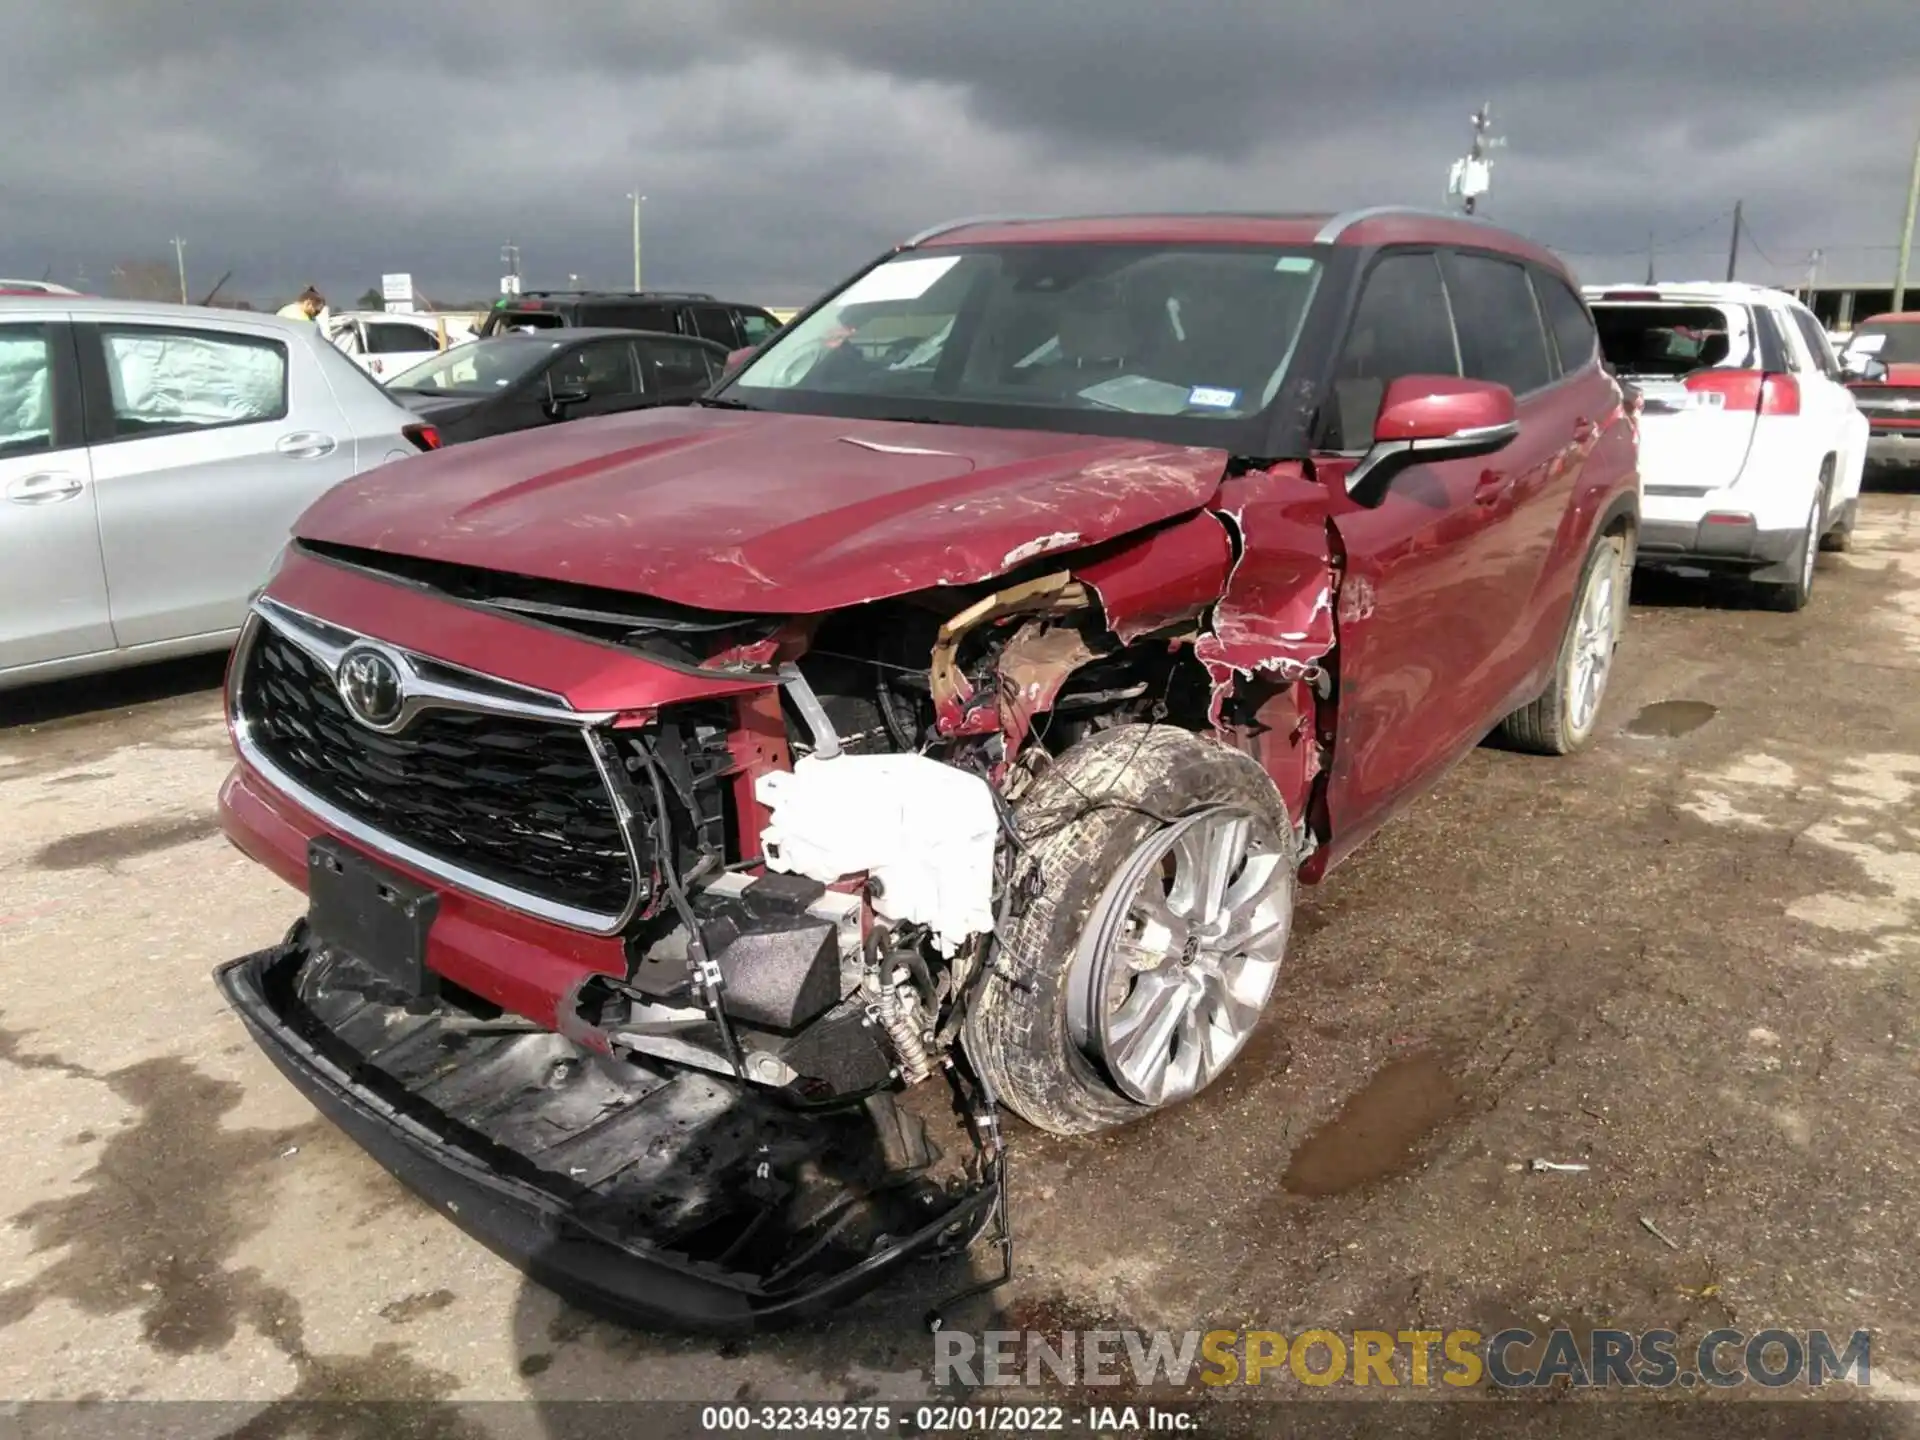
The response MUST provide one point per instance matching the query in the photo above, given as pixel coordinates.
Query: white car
(385, 342)
(1751, 446)
(33, 287)
(152, 460)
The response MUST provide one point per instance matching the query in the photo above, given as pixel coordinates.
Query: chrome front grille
(489, 786)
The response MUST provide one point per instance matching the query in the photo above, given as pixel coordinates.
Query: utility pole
(1733, 248)
(1906, 232)
(1649, 257)
(636, 197)
(510, 257)
(1813, 276)
(180, 262)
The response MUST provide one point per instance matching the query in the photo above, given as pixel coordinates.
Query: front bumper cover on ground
(703, 1252)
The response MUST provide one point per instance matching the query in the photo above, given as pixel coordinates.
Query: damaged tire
(1158, 880)
(1564, 717)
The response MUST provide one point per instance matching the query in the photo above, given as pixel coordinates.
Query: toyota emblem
(371, 687)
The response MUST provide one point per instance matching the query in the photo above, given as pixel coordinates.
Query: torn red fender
(1162, 578)
(1275, 617)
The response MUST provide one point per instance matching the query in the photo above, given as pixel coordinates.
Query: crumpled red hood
(754, 511)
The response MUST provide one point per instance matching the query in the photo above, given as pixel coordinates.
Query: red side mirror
(1440, 407)
(1431, 417)
(737, 358)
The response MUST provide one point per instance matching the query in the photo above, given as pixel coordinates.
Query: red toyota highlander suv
(958, 691)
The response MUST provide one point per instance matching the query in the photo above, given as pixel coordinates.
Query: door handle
(49, 487)
(305, 445)
(1491, 486)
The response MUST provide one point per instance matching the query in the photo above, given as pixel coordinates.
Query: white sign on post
(397, 291)
(509, 284)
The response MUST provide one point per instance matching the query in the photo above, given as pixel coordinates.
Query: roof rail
(1339, 224)
(966, 220)
(638, 294)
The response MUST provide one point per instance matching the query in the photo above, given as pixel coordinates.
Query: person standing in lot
(311, 305)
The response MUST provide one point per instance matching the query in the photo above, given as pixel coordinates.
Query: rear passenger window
(1567, 321)
(1500, 335)
(1400, 327)
(1818, 345)
(1776, 354)
(167, 380)
(26, 390)
(676, 367)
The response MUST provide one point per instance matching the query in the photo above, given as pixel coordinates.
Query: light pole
(180, 261)
(1906, 233)
(636, 197)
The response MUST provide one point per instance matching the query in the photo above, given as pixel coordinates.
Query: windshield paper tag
(1213, 398)
(898, 280)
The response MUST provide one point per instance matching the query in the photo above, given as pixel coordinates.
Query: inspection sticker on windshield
(1293, 265)
(898, 280)
(1211, 397)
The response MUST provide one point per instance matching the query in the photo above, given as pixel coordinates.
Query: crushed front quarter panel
(1275, 617)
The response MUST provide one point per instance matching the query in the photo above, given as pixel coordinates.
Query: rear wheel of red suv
(1564, 717)
(1160, 873)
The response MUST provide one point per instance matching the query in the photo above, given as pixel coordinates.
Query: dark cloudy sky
(782, 142)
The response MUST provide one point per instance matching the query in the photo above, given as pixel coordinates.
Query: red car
(1882, 363)
(957, 691)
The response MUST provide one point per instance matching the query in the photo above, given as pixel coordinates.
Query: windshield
(1031, 335)
(479, 367)
(1889, 344)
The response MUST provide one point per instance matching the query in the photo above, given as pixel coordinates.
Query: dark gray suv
(669, 312)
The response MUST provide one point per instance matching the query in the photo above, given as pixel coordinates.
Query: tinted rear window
(1672, 339)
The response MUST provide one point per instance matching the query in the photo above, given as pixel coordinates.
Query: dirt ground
(1687, 960)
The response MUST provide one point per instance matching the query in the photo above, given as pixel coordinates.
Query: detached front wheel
(1159, 872)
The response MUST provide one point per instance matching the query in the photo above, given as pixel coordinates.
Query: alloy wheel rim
(1180, 955)
(1592, 649)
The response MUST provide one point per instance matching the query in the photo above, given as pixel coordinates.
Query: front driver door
(1422, 609)
(602, 370)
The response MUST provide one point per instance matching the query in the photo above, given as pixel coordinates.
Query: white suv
(1751, 446)
(383, 342)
